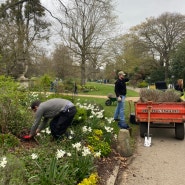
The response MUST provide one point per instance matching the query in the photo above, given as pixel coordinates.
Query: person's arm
(42, 125)
(126, 79)
(116, 90)
(38, 117)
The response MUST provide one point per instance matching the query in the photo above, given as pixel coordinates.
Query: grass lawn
(105, 89)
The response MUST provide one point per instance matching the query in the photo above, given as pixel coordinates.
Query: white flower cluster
(109, 120)
(3, 162)
(77, 146)
(109, 129)
(85, 150)
(61, 153)
(86, 129)
(98, 114)
(95, 111)
(47, 131)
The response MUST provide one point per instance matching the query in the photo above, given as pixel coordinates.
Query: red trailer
(162, 114)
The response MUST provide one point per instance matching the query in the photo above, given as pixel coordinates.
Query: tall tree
(86, 28)
(178, 62)
(161, 36)
(63, 64)
(22, 23)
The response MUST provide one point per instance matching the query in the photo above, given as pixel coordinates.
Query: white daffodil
(34, 156)
(86, 151)
(3, 162)
(115, 136)
(77, 146)
(108, 129)
(70, 137)
(69, 154)
(48, 131)
(84, 128)
(97, 154)
(60, 153)
(71, 132)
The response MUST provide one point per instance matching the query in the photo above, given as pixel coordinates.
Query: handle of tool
(130, 106)
(149, 110)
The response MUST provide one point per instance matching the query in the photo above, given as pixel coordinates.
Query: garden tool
(148, 136)
(26, 137)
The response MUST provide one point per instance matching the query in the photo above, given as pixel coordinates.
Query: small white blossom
(72, 133)
(60, 153)
(97, 154)
(108, 129)
(86, 151)
(84, 128)
(115, 136)
(70, 137)
(77, 146)
(69, 154)
(34, 156)
(48, 131)
(3, 162)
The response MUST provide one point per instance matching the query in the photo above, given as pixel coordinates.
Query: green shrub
(142, 84)
(98, 145)
(8, 141)
(13, 114)
(80, 116)
(14, 171)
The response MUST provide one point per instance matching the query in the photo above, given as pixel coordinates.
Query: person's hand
(37, 131)
(119, 98)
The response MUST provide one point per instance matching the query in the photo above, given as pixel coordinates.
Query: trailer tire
(143, 128)
(108, 102)
(179, 131)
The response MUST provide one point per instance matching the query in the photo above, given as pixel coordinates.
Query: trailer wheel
(143, 129)
(108, 102)
(179, 131)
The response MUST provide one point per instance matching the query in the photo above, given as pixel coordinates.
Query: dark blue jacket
(120, 87)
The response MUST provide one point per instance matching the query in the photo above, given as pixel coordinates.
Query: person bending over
(60, 111)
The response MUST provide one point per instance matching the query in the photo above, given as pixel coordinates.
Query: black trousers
(61, 122)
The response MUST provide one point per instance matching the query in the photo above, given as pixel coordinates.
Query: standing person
(60, 111)
(179, 86)
(121, 91)
(75, 88)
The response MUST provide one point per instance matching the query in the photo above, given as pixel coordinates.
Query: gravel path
(161, 164)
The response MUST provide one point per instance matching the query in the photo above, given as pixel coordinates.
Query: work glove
(27, 137)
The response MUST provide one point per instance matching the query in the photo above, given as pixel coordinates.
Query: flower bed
(70, 161)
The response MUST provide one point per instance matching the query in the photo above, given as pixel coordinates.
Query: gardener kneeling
(61, 111)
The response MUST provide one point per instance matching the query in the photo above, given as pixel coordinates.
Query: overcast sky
(133, 12)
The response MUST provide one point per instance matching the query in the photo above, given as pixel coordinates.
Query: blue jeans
(120, 113)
